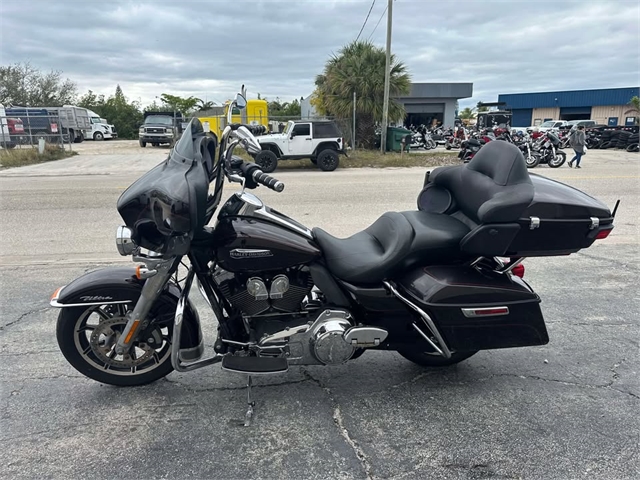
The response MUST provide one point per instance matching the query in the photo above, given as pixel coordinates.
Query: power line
(365, 20)
(379, 20)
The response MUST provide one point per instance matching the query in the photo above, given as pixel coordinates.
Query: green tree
(635, 104)
(481, 108)
(284, 111)
(179, 104)
(360, 67)
(467, 114)
(125, 115)
(204, 106)
(24, 85)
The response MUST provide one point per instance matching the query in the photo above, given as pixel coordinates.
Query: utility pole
(353, 136)
(387, 75)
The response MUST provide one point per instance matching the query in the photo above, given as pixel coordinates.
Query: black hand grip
(263, 179)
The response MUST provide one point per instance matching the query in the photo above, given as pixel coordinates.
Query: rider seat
(471, 210)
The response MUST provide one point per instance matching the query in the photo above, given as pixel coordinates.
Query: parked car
(318, 140)
(549, 125)
(571, 124)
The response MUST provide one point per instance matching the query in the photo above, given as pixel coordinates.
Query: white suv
(318, 140)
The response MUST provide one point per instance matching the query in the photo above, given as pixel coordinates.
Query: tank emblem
(250, 253)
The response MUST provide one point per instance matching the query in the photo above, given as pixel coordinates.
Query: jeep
(318, 140)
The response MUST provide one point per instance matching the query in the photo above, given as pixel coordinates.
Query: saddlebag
(477, 311)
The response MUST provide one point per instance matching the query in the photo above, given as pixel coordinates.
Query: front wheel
(559, 159)
(98, 136)
(87, 337)
(142, 143)
(532, 160)
(429, 359)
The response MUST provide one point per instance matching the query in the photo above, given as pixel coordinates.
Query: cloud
(209, 48)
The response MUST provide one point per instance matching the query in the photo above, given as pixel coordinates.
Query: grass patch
(19, 157)
(373, 159)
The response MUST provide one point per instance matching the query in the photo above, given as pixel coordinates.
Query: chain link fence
(27, 131)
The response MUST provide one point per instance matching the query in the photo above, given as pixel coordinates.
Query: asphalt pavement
(566, 410)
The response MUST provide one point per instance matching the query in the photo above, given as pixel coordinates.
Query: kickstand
(249, 415)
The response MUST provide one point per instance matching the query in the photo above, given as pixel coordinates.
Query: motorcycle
(436, 284)
(547, 150)
(469, 149)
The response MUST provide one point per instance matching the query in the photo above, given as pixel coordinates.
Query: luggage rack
(499, 266)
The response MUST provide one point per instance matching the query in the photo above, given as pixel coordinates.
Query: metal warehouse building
(604, 106)
(426, 102)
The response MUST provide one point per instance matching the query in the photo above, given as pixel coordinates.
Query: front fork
(157, 275)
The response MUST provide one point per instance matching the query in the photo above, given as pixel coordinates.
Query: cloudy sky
(208, 48)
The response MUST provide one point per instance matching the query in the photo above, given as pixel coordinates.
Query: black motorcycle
(547, 149)
(436, 284)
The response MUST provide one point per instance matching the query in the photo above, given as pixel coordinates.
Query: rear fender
(113, 286)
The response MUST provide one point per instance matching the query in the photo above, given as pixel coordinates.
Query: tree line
(22, 84)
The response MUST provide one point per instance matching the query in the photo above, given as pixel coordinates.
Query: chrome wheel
(97, 332)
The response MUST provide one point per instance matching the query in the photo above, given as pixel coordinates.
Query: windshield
(288, 128)
(159, 120)
(95, 120)
(548, 124)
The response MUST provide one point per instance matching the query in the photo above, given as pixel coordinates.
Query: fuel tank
(249, 244)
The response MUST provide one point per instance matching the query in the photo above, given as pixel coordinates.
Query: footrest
(255, 365)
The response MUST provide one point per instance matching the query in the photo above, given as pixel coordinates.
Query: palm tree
(467, 114)
(203, 106)
(635, 103)
(359, 67)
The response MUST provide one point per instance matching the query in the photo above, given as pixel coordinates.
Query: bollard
(41, 145)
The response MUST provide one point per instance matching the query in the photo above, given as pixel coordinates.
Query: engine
(276, 292)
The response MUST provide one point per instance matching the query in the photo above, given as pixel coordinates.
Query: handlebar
(254, 129)
(263, 179)
(251, 171)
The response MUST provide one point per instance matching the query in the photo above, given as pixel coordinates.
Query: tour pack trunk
(476, 310)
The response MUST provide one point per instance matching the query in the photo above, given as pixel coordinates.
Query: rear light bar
(485, 312)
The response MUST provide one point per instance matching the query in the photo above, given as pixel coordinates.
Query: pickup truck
(160, 128)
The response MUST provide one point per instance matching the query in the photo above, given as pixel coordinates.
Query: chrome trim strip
(595, 223)
(262, 212)
(471, 312)
(443, 350)
(511, 266)
(55, 303)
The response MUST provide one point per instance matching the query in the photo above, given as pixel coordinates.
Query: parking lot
(565, 410)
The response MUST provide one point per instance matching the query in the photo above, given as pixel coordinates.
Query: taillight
(603, 233)
(518, 270)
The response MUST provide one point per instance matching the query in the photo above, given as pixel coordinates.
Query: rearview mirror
(240, 101)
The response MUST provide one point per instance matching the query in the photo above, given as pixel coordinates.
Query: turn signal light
(518, 270)
(603, 234)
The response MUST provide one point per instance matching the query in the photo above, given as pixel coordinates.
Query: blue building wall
(577, 98)
(521, 117)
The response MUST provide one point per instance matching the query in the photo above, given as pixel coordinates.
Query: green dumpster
(395, 135)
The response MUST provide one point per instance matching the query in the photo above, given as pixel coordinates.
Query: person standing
(577, 141)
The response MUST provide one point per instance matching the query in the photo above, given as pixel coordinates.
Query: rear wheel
(430, 359)
(267, 160)
(79, 138)
(328, 160)
(559, 159)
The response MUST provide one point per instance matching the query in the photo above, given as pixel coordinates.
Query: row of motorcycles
(537, 147)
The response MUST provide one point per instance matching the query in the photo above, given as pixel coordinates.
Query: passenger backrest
(494, 187)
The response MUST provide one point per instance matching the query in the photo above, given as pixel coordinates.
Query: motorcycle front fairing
(165, 207)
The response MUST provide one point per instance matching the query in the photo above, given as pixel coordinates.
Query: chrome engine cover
(319, 342)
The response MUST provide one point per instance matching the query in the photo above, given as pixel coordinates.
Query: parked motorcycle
(546, 150)
(436, 284)
(469, 149)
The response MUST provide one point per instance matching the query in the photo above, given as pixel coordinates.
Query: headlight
(141, 130)
(123, 241)
(169, 131)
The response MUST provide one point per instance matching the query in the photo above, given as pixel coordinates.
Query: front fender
(119, 285)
